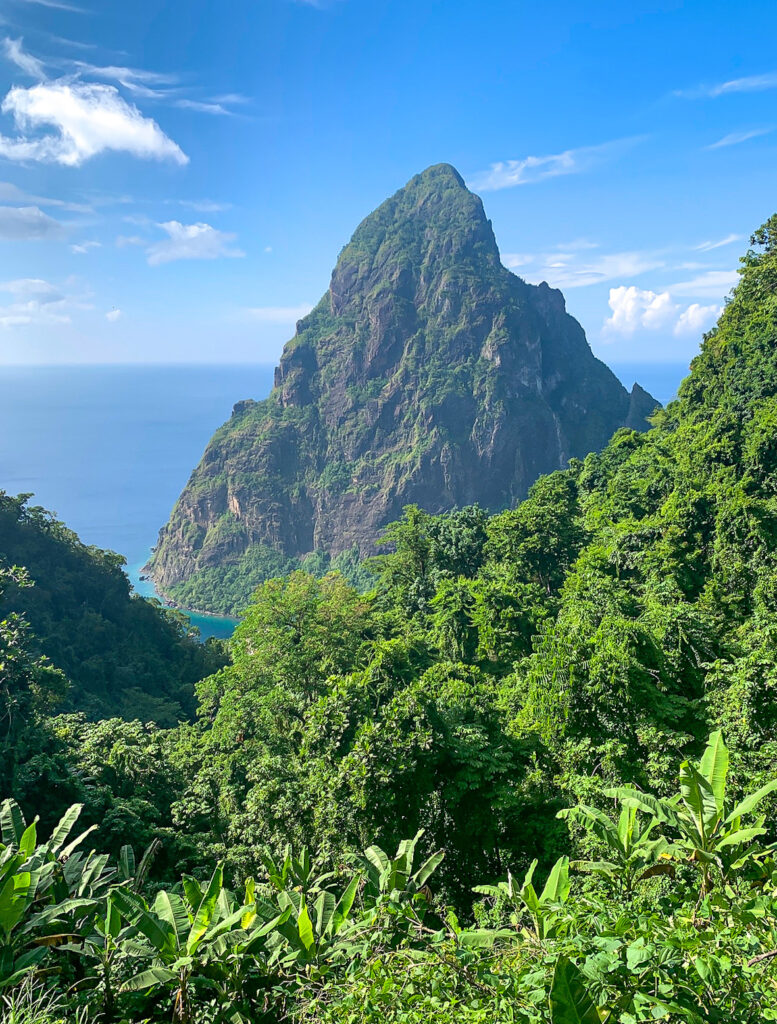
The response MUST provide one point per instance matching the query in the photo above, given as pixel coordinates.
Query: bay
(109, 448)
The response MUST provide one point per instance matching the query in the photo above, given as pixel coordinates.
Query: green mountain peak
(428, 374)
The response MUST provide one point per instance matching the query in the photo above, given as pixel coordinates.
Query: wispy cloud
(735, 138)
(160, 86)
(709, 246)
(34, 301)
(87, 119)
(28, 223)
(750, 83)
(57, 5)
(531, 169)
(15, 52)
(137, 81)
(113, 315)
(82, 248)
(202, 205)
(140, 83)
(192, 242)
(204, 107)
(712, 284)
(10, 193)
(566, 270)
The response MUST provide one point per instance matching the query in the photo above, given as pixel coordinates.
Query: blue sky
(176, 179)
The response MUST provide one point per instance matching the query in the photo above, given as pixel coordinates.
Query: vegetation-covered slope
(551, 683)
(427, 374)
(614, 618)
(122, 655)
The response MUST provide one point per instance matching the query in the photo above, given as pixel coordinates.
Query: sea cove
(109, 448)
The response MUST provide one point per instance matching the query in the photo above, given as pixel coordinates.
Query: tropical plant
(633, 853)
(545, 910)
(178, 936)
(43, 888)
(707, 825)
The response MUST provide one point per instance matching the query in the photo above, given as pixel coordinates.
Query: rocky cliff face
(427, 374)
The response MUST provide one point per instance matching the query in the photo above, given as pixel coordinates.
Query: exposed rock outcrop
(427, 374)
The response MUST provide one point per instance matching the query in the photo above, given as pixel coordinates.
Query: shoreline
(145, 577)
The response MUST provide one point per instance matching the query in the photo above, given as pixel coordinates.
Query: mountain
(427, 374)
(121, 655)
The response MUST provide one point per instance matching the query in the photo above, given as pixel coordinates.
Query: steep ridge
(428, 374)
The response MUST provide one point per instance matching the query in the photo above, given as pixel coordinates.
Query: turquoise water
(109, 448)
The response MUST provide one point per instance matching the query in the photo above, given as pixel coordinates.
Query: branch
(762, 956)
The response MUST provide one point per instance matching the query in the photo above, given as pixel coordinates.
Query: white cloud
(518, 259)
(32, 289)
(113, 315)
(204, 107)
(707, 246)
(57, 5)
(122, 241)
(191, 242)
(278, 314)
(712, 284)
(202, 205)
(87, 120)
(135, 80)
(734, 138)
(26, 223)
(33, 301)
(10, 193)
(750, 83)
(566, 270)
(14, 51)
(81, 248)
(696, 319)
(508, 173)
(635, 309)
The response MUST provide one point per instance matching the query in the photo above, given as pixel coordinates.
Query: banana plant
(396, 895)
(708, 827)
(185, 938)
(394, 877)
(314, 938)
(545, 910)
(43, 887)
(101, 942)
(298, 872)
(633, 853)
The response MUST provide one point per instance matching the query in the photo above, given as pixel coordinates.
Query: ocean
(109, 448)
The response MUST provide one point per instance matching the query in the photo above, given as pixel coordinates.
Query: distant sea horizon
(108, 448)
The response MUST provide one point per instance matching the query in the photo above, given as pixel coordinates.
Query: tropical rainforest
(525, 772)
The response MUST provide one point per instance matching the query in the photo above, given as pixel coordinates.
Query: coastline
(210, 624)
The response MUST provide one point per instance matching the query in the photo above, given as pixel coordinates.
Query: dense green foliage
(122, 655)
(228, 589)
(689, 937)
(538, 694)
